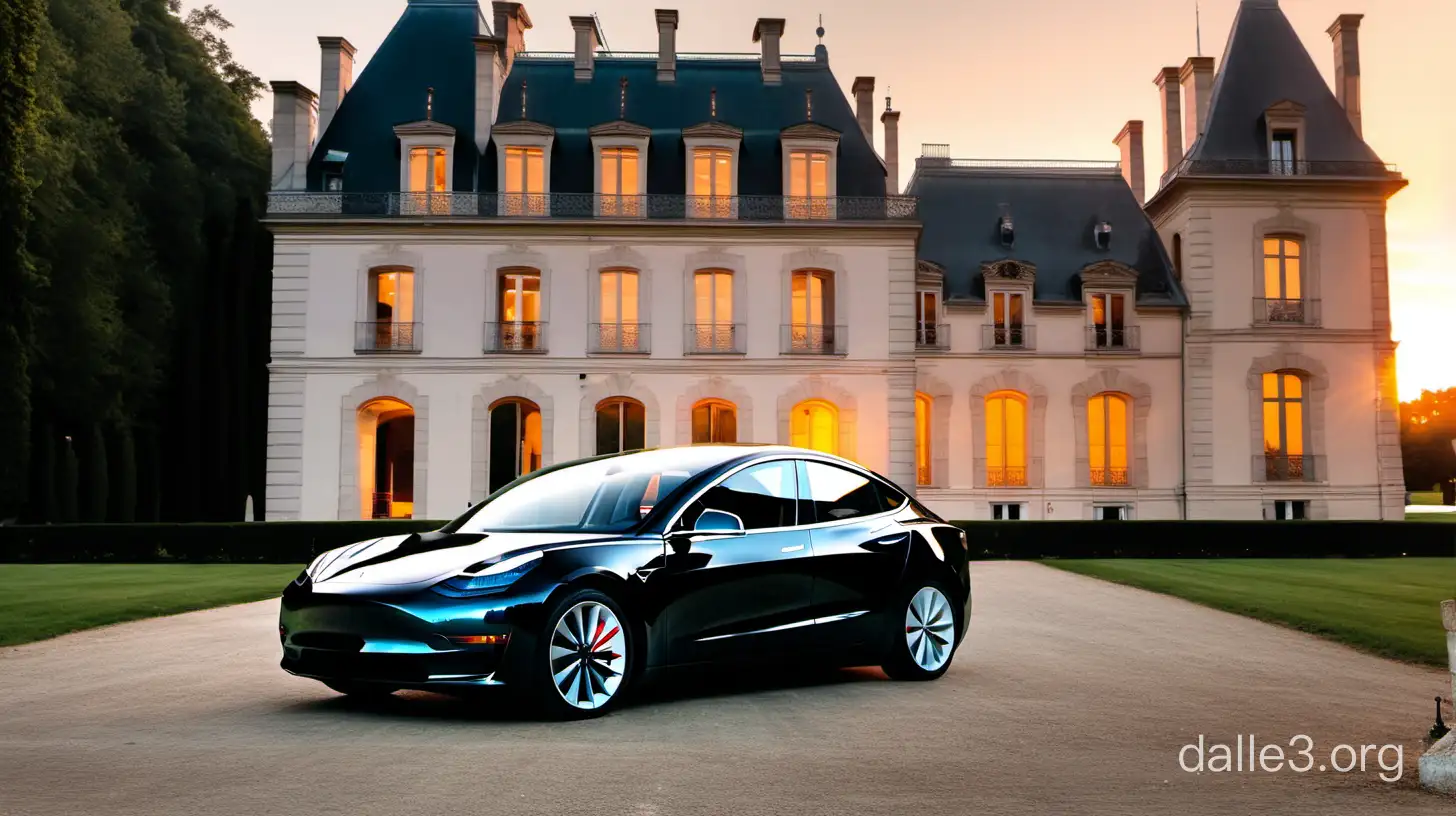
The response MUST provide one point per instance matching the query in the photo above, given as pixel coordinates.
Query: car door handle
(886, 542)
(793, 549)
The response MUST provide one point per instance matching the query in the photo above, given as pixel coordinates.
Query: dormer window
(1282, 153)
(712, 169)
(811, 152)
(621, 168)
(1102, 236)
(523, 150)
(427, 167)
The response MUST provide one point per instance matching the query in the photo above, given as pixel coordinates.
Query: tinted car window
(835, 494)
(763, 496)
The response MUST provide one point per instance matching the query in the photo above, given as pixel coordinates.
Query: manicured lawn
(1389, 606)
(39, 601)
(1432, 497)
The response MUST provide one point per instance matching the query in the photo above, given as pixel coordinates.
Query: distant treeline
(134, 275)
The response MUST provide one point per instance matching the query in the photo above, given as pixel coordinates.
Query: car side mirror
(714, 523)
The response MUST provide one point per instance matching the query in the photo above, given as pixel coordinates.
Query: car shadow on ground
(666, 688)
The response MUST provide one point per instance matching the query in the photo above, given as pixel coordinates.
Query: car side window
(834, 494)
(763, 496)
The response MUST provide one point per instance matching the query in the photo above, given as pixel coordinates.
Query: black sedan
(570, 582)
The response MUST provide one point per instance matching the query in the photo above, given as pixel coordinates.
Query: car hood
(406, 562)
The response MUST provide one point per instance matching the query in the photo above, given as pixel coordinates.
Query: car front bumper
(405, 641)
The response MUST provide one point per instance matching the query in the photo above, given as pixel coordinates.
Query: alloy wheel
(929, 629)
(588, 655)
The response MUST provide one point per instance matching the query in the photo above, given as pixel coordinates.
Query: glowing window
(1107, 439)
(715, 420)
(1006, 439)
(923, 406)
(525, 181)
(815, 425)
(427, 170)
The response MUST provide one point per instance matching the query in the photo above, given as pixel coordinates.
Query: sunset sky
(1043, 79)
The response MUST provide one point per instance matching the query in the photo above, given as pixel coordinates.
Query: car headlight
(488, 577)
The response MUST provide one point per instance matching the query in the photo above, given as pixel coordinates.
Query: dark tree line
(134, 275)
(1427, 428)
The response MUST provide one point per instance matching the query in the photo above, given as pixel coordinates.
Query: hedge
(274, 542)
(1036, 540)
(297, 542)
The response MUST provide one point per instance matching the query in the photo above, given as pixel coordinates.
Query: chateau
(491, 259)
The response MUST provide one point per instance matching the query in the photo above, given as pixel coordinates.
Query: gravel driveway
(1071, 695)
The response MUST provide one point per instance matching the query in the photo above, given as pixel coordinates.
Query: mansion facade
(489, 260)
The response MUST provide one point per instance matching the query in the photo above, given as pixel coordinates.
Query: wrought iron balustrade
(800, 338)
(387, 337)
(932, 336)
(620, 338)
(1006, 477)
(1113, 338)
(1110, 477)
(1279, 467)
(592, 206)
(716, 338)
(1282, 168)
(517, 337)
(1286, 312)
(1008, 337)
(382, 505)
(922, 475)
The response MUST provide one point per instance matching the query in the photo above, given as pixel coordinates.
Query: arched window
(1178, 256)
(618, 309)
(715, 420)
(386, 432)
(1283, 281)
(621, 425)
(1284, 426)
(811, 312)
(519, 310)
(1107, 437)
(923, 406)
(515, 441)
(713, 328)
(1006, 439)
(814, 424)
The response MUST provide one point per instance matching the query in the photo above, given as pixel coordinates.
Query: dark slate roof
(555, 98)
(1053, 213)
(431, 46)
(1265, 63)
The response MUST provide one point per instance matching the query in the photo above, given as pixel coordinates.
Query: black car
(570, 582)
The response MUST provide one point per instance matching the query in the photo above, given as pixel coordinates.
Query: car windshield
(596, 496)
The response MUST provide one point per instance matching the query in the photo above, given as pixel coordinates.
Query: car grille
(333, 641)
(397, 668)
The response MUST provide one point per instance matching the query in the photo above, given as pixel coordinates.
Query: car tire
(361, 691)
(584, 657)
(924, 623)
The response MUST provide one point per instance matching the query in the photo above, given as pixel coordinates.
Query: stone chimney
(337, 78)
(1130, 142)
(1197, 80)
(293, 134)
(864, 106)
(489, 76)
(769, 30)
(1167, 82)
(891, 120)
(1346, 34)
(588, 40)
(511, 23)
(667, 45)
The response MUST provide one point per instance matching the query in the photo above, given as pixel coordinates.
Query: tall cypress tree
(124, 477)
(43, 486)
(66, 484)
(97, 477)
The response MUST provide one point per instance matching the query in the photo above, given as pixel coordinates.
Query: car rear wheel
(362, 691)
(924, 640)
(584, 656)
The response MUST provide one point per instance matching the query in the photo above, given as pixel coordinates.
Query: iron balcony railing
(922, 475)
(382, 505)
(1285, 312)
(813, 339)
(1110, 477)
(620, 338)
(1113, 339)
(1006, 477)
(1279, 467)
(387, 337)
(932, 336)
(1279, 167)
(715, 338)
(1008, 338)
(517, 337)
(653, 206)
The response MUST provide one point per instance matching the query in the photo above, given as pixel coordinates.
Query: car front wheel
(923, 640)
(584, 656)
